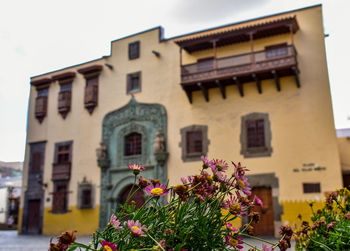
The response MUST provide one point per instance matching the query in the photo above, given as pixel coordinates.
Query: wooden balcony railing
(61, 171)
(254, 66)
(239, 65)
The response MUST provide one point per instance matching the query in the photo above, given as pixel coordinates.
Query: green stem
(257, 238)
(132, 188)
(155, 241)
(249, 245)
(321, 244)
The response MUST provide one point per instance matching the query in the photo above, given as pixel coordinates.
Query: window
(91, 74)
(277, 50)
(41, 103)
(85, 194)
(60, 197)
(62, 161)
(194, 142)
(133, 82)
(134, 50)
(91, 94)
(256, 135)
(65, 81)
(312, 187)
(133, 144)
(64, 99)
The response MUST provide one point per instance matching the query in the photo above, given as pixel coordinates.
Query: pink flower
(108, 246)
(235, 207)
(206, 162)
(136, 228)
(266, 248)
(234, 242)
(136, 168)
(220, 165)
(115, 222)
(243, 184)
(158, 190)
(231, 228)
(257, 201)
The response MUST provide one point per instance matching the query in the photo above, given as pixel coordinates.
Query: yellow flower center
(241, 182)
(157, 191)
(233, 242)
(235, 208)
(107, 248)
(135, 228)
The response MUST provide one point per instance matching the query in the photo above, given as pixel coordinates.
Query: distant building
(10, 190)
(256, 91)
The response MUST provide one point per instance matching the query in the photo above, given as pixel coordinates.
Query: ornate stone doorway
(135, 133)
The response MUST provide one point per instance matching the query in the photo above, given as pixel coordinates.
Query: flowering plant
(330, 227)
(197, 216)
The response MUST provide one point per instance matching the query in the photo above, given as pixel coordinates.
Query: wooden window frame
(261, 150)
(61, 170)
(41, 102)
(188, 156)
(312, 187)
(60, 197)
(130, 88)
(136, 144)
(256, 138)
(276, 50)
(91, 75)
(83, 187)
(191, 144)
(134, 50)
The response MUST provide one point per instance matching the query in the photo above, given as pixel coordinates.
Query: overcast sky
(39, 36)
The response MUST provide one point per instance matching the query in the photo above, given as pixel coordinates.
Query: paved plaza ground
(11, 241)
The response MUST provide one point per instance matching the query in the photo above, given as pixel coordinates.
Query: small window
(41, 104)
(194, 142)
(312, 187)
(133, 144)
(134, 50)
(256, 135)
(60, 197)
(85, 195)
(277, 50)
(133, 82)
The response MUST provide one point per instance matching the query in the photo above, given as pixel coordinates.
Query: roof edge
(245, 21)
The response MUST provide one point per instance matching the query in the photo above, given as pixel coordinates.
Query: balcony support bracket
(258, 82)
(222, 88)
(188, 93)
(277, 80)
(296, 75)
(204, 91)
(239, 85)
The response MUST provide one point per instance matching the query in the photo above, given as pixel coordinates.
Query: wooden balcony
(64, 102)
(40, 107)
(61, 171)
(236, 70)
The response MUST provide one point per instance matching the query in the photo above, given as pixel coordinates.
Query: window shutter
(255, 133)
(133, 144)
(36, 162)
(194, 142)
(128, 83)
(134, 50)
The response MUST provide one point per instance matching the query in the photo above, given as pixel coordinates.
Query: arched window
(133, 144)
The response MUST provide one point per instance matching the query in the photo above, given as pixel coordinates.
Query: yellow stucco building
(255, 91)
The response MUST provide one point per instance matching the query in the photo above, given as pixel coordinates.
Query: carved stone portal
(149, 120)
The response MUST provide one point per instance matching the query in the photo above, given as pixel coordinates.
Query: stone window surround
(258, 151)
(191, 157)
(268, 180)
